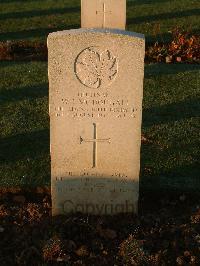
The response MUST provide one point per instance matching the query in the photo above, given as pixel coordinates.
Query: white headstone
(96, 90)
(103, 14)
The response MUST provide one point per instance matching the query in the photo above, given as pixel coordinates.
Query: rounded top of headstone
(96, 31)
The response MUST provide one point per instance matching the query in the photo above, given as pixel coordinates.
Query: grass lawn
(34, 19)
(170, 125)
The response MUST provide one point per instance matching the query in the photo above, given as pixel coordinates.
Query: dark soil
(166, 232)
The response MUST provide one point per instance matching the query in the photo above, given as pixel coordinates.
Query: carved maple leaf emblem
(96, 68)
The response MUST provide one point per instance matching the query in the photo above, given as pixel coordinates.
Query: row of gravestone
(96, 89)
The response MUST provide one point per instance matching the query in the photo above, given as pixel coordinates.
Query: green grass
(24, 136)
(170, 123)
(34, 19)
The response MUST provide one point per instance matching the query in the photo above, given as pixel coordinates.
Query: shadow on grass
(34, 33)
(184, 172)
(131, 3)
(165, 37)
(160, 37)
(184, 178)
(164, 16)
(43, 32)
(166, 69)
(170, 113)
(28, 145)
(28, 92)
(18, 1)
(35, 13)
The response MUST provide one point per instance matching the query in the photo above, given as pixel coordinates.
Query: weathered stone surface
(96, 90)
(103, 14)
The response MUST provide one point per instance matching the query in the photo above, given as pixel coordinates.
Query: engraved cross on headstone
(95, 140)
(103, 12)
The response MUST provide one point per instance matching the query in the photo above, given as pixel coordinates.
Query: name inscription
(95, 105)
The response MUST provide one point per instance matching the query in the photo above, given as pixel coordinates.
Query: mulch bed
(183, 48)
(166, 232)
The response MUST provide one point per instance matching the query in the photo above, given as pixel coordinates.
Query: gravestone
(96, 90)
(103, 14)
